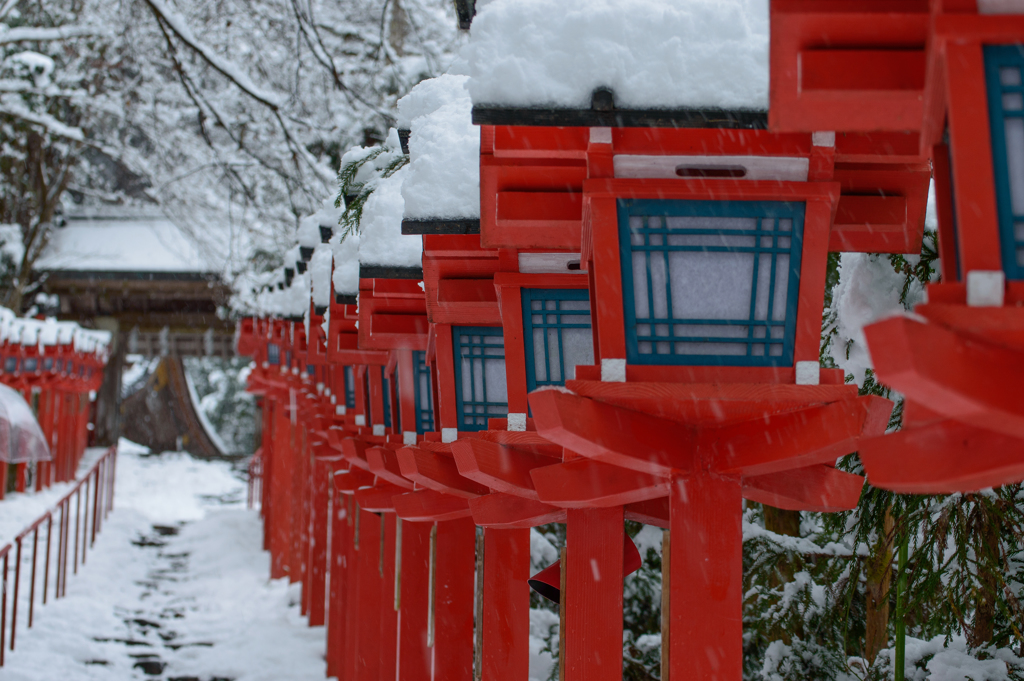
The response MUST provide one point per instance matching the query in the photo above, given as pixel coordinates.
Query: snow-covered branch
(41, 34)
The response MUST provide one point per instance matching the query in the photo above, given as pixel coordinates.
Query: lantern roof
(669, 64)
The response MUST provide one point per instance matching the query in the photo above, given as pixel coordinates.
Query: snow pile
(31, 332)
(652, 53)
(444, 151)
(177, 576)
(320, 275)
(382, 241)
(346, 264)
(868, 290)
(309, 226)
(292, 301)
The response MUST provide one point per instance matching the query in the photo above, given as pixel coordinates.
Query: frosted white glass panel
(710, 285)
(640, 294)
(497, 388)
(781, 287)
(1015, 162)
(577, 349)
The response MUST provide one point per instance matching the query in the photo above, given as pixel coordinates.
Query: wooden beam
(613, 435)
(354, 451)
(428, 505)
(377, 499)
(820, 488)
(384, 464)
(437, 472)
(962, 378)
(509, 511)
(942, 457)
(499, 467)
(588, 483)
(651, 512)
(820, 434)
(353, 479)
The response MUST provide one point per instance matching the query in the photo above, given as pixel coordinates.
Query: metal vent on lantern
(481, 391)
(710, 282)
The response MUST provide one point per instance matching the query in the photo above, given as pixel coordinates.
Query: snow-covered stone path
(176, 589)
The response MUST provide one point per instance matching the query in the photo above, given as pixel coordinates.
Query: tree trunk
(879, 576)
(988, 578)
(784, 522)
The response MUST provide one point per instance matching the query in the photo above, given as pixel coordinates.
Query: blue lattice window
(480, 386)
(350, 388)
(385, 386)
(710, 282)
(273, 353)
(1004, 76)
(557, 335)
(424, 394)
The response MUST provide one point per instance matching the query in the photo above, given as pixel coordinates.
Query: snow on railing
(98, 483)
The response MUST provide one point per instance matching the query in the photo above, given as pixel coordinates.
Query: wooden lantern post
(952, 88)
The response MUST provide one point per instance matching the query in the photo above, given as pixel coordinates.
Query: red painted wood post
(296, 499)
(339, 576)
(414, 581)
(366, 632)
(3, 479)
(506, 610)
(277, 473)
(388, 615)
(318, 544)
(454, 559)
(706, 598)
(593, 594)
(352, 592)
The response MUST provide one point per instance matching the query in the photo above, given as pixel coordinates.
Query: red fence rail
(255, 478)
(97, 488)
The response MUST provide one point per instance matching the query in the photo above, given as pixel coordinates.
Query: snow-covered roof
(292, 301)
(42, 332)
(128, 245)
(444, 151)
(654, 54)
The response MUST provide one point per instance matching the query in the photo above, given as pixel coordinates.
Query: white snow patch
(444, 152)
(652, 53)
(382, 241)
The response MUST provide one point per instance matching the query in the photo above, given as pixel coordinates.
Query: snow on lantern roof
(384, 252)
(320, 276)
(652, 54)
(443, 180)
(136, 244)
(311, 227)
(291, 302)
(92, 340)
(346, 266)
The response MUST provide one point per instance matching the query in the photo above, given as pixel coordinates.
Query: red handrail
(100, 481)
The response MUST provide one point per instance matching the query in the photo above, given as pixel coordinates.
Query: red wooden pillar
(593, 594)
(388, 615)
(413, 653)
(296, 500)
(706, 597)
(376, 401)
(366, 632)
(318, 543)
(3, 479)
(407, 396)
(353, 572)
(21, 477)
(337, 605)
(278, 486)
(454, 564)
(506, 613)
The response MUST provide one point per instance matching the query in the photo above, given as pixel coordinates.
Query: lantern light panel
(481, 390)
(424, 397)
(557, 335)
(710, 282)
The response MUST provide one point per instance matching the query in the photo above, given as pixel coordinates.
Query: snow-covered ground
(176, 587)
